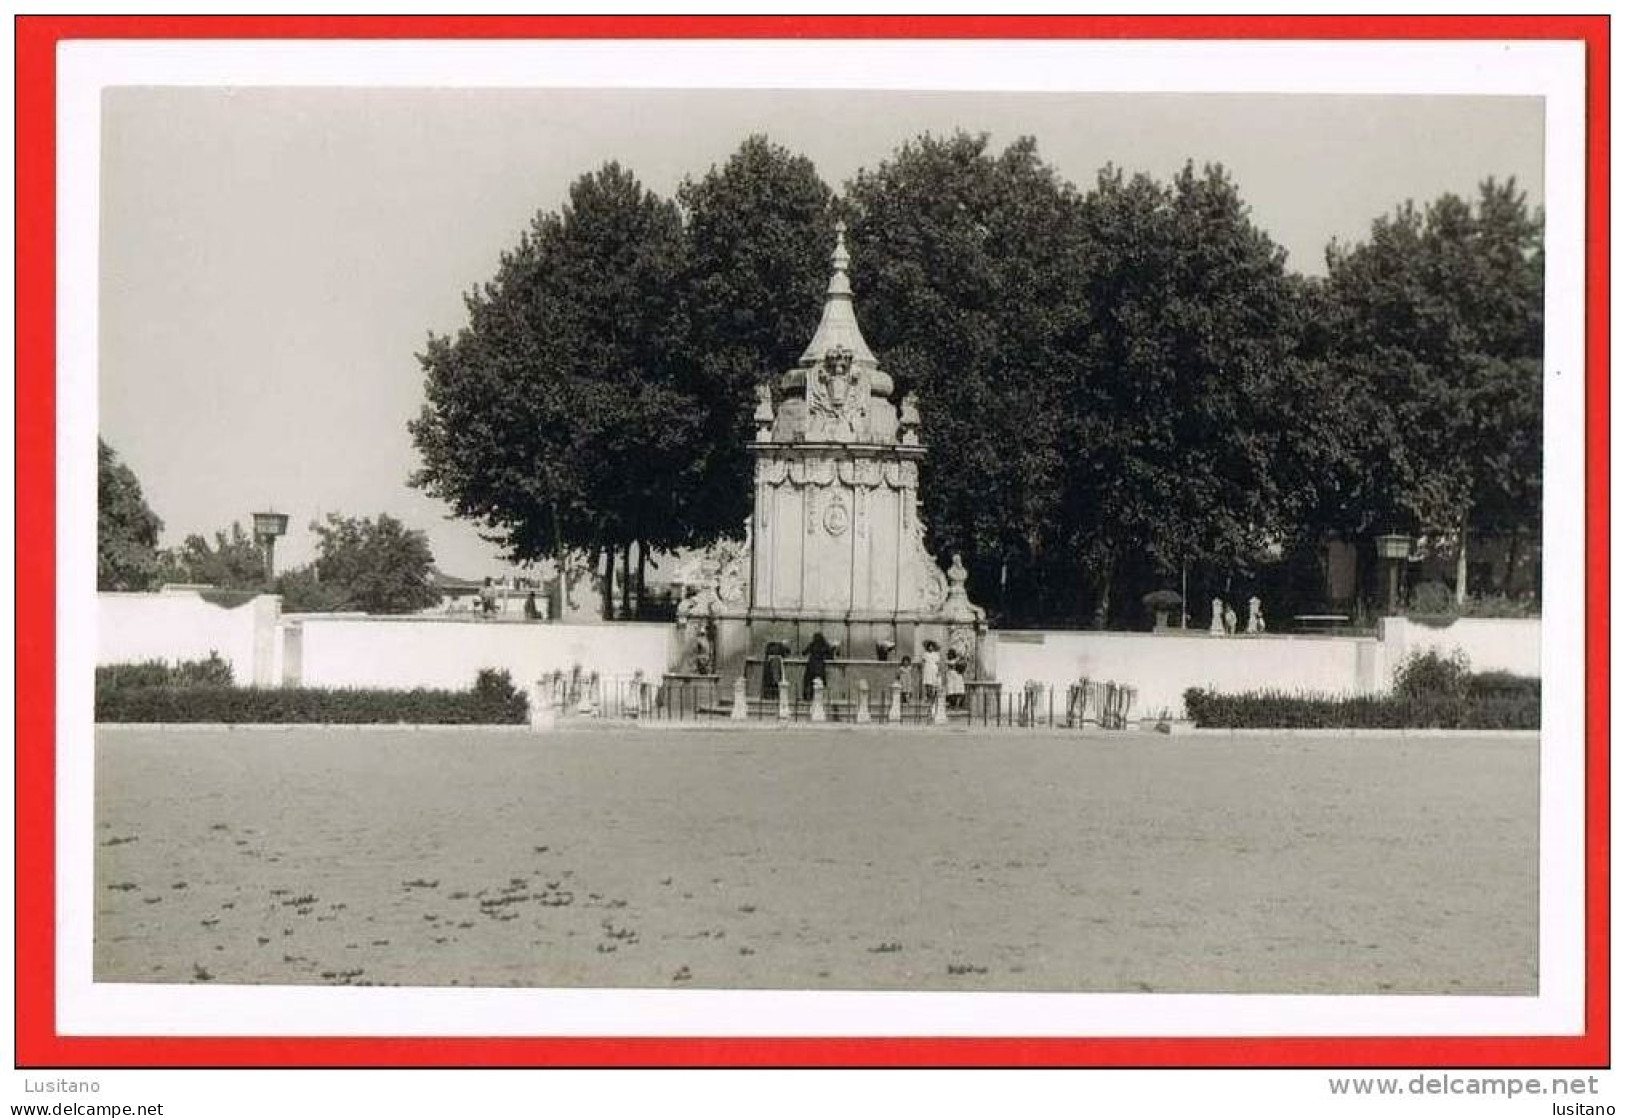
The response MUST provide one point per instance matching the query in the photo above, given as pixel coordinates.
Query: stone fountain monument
(835, 544)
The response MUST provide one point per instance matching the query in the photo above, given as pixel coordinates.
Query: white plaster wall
(359, 651)
(175, 625)
(1162, 665)
(1491, 644)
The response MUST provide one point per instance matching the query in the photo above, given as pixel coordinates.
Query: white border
(1554, 71)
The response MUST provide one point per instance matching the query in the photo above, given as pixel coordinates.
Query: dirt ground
(818, 859)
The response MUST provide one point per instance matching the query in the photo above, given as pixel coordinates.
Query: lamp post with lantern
(1393, 548)
(268, 527)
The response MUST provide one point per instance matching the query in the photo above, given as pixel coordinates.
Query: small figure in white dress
(931, 671)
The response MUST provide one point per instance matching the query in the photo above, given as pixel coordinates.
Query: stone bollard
(939, 708)
(741, 709)
(894, 706)
(816, 714)
(784, 702)
(863, 701)
(543, 714)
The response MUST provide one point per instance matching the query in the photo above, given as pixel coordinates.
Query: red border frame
(37, 1043)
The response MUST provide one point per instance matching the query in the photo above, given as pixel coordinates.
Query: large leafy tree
(1437, 324)
(233, 560)
(127, 529)
(759, 230)
(303, 591)
(379, 566)
(969, 269)
(566, 415)
(1194, 435)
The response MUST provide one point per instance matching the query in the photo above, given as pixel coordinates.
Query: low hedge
(493, 700)
(159, 673)
(1490, 709)
(1501, 684)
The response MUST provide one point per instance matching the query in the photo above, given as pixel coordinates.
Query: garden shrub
(493, 700)
(1430, 692)
(1433, 599)
(1428, 673)
(1275, 710)
(1434, 605)
(1483, 684)
(212, 672)
(1499, 605)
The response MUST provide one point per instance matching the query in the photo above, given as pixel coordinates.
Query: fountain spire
(838, 328)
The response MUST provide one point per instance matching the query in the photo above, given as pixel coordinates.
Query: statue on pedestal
(908, 420)
(763, 417)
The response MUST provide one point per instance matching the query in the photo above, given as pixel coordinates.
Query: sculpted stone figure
(1216, 626)
(702, 600)
(763, 416)
(1255, 615)
(908, 420)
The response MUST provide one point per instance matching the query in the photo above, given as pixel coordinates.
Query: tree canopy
(758, 229)
(1110, 383)
(374, 565)
(1118, 385)
(565, 415)
(234, 560)
(1437, 325)
(1194, 439)
(126, 528)
(1440, 313)
(967, 270)
(378, 566)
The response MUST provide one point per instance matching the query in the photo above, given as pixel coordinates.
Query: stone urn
(1161, 603)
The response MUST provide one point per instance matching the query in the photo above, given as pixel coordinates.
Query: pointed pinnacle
(840, 257)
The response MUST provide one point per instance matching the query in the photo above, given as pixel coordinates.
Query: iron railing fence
(1083, 704)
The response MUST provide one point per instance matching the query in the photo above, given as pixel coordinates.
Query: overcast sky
(272, 259)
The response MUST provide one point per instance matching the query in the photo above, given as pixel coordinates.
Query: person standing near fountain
(931, 671)
(953, 684)
(818, 654)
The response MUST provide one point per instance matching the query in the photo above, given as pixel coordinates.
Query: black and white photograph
(834, 540)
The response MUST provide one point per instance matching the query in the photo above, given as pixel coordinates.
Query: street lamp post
(1393, 549)
(268, 526)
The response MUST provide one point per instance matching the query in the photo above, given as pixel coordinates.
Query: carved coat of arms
(837, 399)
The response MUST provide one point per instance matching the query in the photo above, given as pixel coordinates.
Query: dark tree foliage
(967, 268)
(759, 231)
(126, 528)
(566, 415)
(303, 591)
(1195, 435)
(1436, 325)
(233, 561)
(1116, 387)
(1111, 383)
(378, 566)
